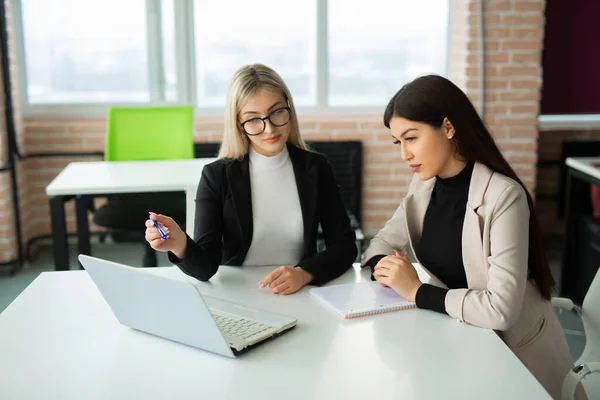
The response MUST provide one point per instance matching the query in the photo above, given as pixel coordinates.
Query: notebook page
(360, 298)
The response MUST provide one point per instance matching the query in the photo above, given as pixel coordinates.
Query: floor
(131, 254)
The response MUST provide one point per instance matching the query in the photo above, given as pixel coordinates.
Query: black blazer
(223, 224)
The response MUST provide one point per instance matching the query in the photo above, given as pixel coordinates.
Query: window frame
(185, 61)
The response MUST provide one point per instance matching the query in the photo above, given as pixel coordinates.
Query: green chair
(145, 133)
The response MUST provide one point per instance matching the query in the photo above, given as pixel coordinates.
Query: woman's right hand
(176, 239)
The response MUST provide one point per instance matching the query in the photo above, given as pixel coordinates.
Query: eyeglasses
(256, 126)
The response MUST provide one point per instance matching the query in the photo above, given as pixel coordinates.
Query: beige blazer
(495, 245)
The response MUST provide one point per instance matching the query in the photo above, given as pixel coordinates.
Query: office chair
(145, 133)
(346, 161)
(587, 367)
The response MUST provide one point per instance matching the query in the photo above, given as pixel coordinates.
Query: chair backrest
(206, 150)
(590, 314)
(346, 162)
(149, 133)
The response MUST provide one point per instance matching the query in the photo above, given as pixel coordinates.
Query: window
(395, 42)
(93, 52)
(255, 33)
(332, 53)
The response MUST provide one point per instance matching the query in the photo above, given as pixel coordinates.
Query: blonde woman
(262, 201)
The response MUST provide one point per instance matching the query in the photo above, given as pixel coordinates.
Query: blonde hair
(245, 82)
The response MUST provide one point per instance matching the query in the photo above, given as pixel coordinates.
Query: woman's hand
(286, 280)
(176, 240)
(398, 273)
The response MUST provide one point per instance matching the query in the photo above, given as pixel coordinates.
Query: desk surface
(59, 339)
(101, 177)
(587, 165)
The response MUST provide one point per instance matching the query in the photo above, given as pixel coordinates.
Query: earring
(450, 136)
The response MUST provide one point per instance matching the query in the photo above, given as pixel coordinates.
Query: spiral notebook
(353, 300)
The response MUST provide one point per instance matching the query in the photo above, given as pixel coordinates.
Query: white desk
(586, 165)
(85, 179)
(59, 340)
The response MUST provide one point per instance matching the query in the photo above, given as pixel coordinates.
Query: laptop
(174, 309)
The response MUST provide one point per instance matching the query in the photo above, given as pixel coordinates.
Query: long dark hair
(429, 99)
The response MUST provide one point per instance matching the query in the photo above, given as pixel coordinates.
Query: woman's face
(427, 150)
(266, 103)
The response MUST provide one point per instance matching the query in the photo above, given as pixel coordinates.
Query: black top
(223, 223)
(440, 247)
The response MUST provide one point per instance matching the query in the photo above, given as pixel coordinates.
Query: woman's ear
(448, 128)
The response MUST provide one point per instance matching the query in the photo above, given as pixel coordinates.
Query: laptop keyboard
(236, 327)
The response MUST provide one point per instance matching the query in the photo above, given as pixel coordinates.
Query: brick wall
(513, 31)
(8, 237)
(8, 245)
(513, 47)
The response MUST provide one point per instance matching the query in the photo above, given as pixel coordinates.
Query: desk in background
(85, 180)
(60, 340)
(577, 273)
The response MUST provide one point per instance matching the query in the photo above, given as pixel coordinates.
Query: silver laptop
(174, 309)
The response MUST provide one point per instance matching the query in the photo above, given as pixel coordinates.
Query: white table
(587, 165)
(83, 180)
(59, 340)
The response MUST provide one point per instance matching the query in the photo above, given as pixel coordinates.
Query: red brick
(307, 124)
(391, 183)
(88, 129)
(522, 132)
(520, 95)
(492, 6)
(335, 125)
(496, 32)
(528, 44)
(533, 58)
(524, 83)
(526, 33)
(367, 126)
(524, 109)
(382, 194)
(517, 159)
(522, 19)
(488, 19)
(317, 136)
(385, 137)
(208, 126)
(352, 135)
(41, 129)
(377, 171)
(507, 144)
(521, 71)
(521, 5)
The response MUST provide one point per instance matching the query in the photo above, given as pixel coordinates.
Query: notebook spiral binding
(381, 311)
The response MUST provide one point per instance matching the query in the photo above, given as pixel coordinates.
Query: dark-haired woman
(471, 223)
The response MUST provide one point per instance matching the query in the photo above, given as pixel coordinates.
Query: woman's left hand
(398, 273)
(286, 280)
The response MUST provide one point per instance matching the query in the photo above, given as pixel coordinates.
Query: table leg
(82, 205)
(60, 246)
(190, 209)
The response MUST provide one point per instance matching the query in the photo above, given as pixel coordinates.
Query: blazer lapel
(306, 182)
(238, 175)
(472, 239)
(415, 207)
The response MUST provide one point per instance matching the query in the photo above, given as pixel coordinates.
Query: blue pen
(163, 235)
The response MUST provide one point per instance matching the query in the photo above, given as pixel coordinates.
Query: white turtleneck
(278, 235)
